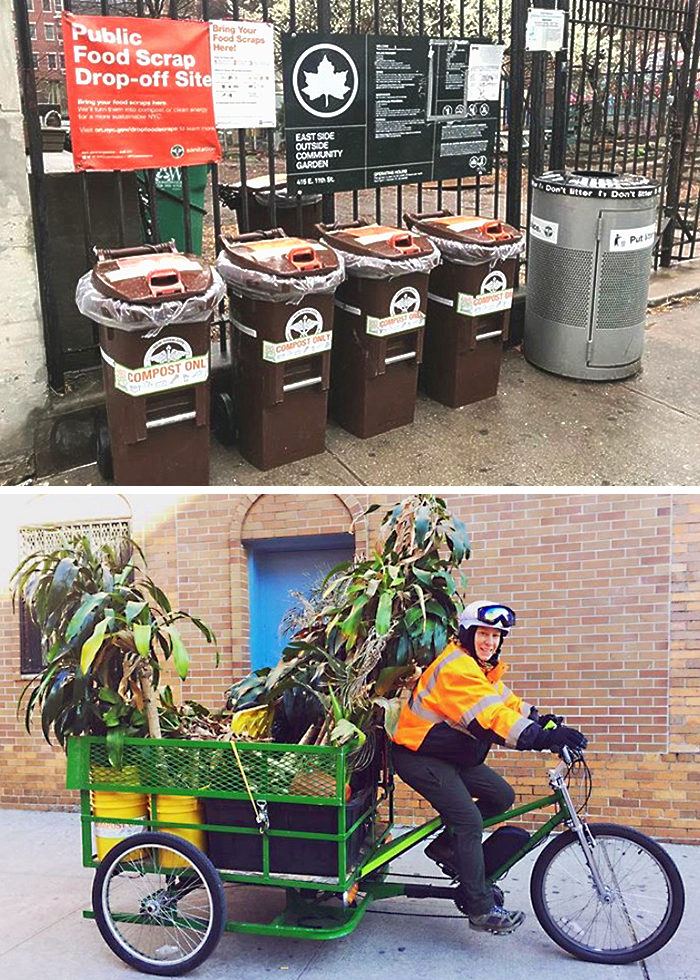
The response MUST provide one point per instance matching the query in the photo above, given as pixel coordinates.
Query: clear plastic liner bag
(146, 318)
(470, 253)
(378, 267)
(257, 284)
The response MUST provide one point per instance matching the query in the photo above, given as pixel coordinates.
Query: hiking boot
(497, 920)
(442, 853)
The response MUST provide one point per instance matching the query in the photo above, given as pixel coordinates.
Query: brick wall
(607, 589)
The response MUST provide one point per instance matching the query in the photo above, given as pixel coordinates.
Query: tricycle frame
(308, 898)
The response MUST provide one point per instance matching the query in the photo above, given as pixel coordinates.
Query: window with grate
(45, 539)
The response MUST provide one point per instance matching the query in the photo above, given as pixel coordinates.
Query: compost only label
(632, 239)
(404, 314)
(139, 92)
(493, 298)
(116, 831)
(290, 350)
(161, 376)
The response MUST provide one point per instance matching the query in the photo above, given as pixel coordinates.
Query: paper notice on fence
(484, 72)
(243, 74)
(545, 29)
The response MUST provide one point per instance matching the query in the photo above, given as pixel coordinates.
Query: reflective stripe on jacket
(455, 691)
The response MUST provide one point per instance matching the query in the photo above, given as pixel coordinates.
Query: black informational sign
(360, 111)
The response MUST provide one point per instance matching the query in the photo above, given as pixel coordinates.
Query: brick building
(47, 49)
(606, 586)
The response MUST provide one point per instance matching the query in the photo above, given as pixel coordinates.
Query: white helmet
(492, 614)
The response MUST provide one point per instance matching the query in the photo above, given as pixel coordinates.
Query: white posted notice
(545, 29)
(243, 74)
(484, 72)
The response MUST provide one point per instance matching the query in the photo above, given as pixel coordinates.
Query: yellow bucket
(253, 722)
(118, 806)
(128, 776)
(188, 809)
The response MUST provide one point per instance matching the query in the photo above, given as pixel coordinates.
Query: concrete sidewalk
(539, 430)
(44, 888)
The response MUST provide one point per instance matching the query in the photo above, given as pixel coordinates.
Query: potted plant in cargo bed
(107, 631)
(375, 623)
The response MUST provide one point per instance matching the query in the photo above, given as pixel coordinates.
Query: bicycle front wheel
(159, 903)
(640, 910)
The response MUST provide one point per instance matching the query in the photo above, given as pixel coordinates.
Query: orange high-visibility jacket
(456, 692)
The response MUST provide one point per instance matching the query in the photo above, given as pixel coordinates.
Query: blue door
(277, 567)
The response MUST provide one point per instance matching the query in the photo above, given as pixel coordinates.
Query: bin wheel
(223, 418)
(159, 903)
(104, 452)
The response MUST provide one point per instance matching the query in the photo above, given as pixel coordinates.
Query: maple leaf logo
(325, 81)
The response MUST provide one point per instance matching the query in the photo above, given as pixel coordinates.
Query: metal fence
(622, 96)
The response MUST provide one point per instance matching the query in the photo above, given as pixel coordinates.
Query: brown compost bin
(380, 314)
(469, 300)
(280, 293)
(156, 368)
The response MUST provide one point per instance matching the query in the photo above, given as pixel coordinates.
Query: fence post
(560, 111)
(516, 112)
(678, 125)
(323, 14)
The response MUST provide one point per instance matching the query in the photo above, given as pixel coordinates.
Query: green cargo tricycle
(314, 822)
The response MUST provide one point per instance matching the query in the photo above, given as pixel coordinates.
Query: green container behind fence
(169, 205)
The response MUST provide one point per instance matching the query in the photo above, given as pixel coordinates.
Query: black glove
(544, 720)
(555, 738)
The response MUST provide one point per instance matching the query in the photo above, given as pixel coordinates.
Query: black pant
(450, 788)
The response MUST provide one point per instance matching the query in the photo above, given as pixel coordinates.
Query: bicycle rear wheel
(159, 903)
(641, 910)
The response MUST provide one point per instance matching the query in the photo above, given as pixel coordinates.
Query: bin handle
(103, 254)
(304, 258)
(254, 236)
(409, 355)
(411, 219)
(170, 420)
(495, 230)
(342, 225)
(306, 383)
(403, 242)
(165, 282)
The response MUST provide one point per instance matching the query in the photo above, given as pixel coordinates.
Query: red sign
(139, 92)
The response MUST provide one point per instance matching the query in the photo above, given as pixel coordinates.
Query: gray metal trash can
(592, 235)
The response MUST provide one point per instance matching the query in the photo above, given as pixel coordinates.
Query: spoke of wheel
(629, 872)
(628, 919)
(179, 925)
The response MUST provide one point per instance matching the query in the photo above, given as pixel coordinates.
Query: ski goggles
(497, 616)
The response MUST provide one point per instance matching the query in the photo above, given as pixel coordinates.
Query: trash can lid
(140, 275)
(596, 183)
(445, 225)
(281, 256)
(376, 241)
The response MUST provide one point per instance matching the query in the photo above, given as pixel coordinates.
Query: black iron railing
(622, 95)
